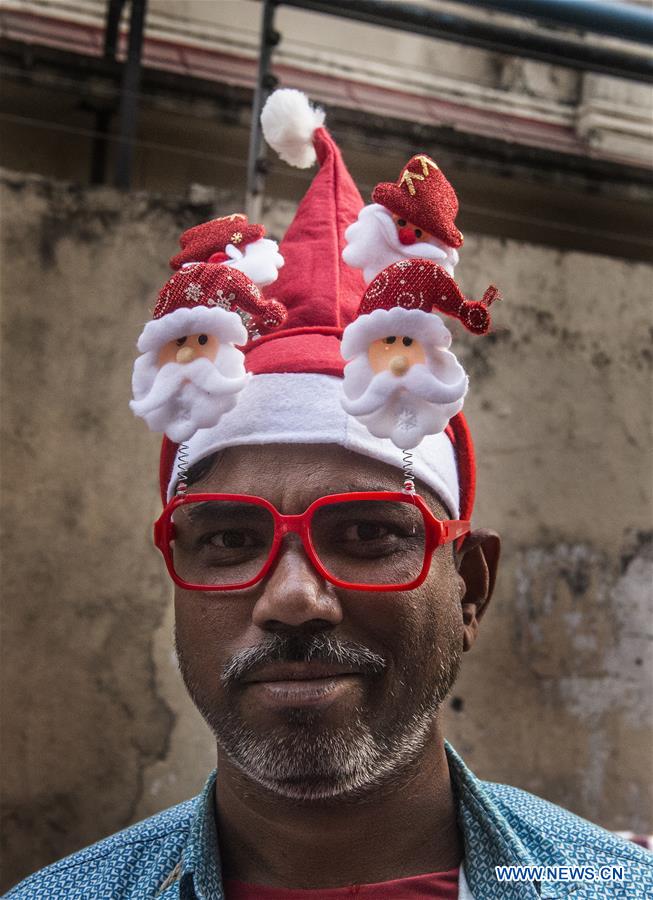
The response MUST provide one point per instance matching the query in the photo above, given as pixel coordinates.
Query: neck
(407, 828)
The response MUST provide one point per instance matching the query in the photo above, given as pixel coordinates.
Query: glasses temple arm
(452, 529)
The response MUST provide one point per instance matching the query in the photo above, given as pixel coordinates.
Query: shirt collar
(490, 840)
(488, 837)
(201, 877)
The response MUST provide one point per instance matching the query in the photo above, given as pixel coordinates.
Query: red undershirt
(435, 886)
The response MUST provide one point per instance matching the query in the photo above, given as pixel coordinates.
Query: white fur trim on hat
(225, 325)
(428, 328)
(294, 408)
(288, 121)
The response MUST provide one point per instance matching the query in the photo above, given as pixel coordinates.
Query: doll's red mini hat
(422, 195)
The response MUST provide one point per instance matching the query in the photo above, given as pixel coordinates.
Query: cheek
(438, 612)
(168, 353)
(209, 349)
(206, 631)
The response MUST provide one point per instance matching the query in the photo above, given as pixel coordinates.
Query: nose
(295, 595)
(407, 236)
(399, 365)
(185, 354)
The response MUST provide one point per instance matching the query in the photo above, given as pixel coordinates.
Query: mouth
(298, 671)
(302, 684)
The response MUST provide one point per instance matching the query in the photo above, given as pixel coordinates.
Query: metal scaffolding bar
(619, 20)
(103, 116)
(448, 26)
(265, 83)
(129, 96)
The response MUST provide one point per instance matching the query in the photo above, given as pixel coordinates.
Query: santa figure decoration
(402, 385)
(413, 218)
(231, 240)
(190, 371)
(401, 381)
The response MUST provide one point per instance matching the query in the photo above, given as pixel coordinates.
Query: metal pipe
(114, 12)
(99, 150)
(447, 26)
(129, 96)
(620, 20)
(265, 83)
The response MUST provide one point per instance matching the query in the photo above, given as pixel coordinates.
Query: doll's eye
(418, 232)
(181, 341)
(401, 223)
(407, 341)
(202, 339)
(390, 340)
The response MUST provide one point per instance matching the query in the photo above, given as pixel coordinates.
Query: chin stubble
(302, 760)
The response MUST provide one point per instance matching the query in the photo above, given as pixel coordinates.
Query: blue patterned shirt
(175, 854)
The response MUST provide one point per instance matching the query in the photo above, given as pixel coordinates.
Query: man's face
(395, 654)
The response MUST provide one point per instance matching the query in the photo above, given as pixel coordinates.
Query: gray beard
(304, 761)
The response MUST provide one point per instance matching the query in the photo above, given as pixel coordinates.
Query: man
(326, 588)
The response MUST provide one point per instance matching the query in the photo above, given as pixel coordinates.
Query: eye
(202, 339)
(389, 340)
(365, 531)
(180, 341)
(418, 232)
(401, 223)
(406, 341)
(232, 540)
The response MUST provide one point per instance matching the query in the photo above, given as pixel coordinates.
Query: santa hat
(207, 242)
(209, 298)
(423, 196)
(295, 393)
(419, 284)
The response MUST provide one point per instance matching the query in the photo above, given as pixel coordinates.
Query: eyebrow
(207, 509)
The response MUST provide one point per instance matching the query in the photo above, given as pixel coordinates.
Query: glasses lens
(370, 542)
(221, 543)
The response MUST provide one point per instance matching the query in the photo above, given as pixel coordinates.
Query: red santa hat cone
(295, 393)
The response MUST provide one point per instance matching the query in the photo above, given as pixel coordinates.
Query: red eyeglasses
(367, 541)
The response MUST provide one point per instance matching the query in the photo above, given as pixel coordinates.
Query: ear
(477, 562)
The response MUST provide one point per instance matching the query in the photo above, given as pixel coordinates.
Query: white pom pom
(288, 121)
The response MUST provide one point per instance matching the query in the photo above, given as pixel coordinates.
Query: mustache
(171, 379)
(301, 648)
(420, 249)
(385, 384)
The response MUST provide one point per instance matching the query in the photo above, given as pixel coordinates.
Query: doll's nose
(185, 354)
(399, 365)
(407, 236)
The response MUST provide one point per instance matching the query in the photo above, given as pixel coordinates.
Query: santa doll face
(379, 238)
(187, 384)
(409, 233)
(396, 354)
(402, 386)
(186, 348)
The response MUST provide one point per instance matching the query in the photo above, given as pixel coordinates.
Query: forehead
(291, 476)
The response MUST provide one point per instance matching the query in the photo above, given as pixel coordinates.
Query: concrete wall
(97, 729)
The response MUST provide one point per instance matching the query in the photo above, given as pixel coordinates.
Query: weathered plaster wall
(97, 729)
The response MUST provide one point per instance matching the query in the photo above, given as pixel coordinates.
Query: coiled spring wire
(409, 474)
(182, 469)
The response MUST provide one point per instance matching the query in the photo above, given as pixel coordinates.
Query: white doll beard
(405, 408)
(373, 244)
(261, 260)
(178, 399)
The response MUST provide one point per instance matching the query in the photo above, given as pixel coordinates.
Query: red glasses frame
(438, 532)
